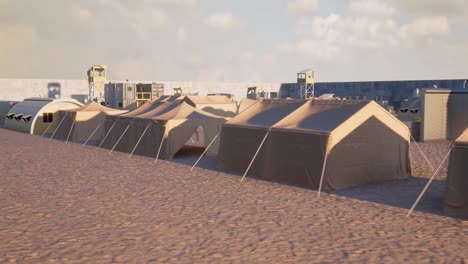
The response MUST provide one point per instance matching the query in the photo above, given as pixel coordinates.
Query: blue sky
(215, 40)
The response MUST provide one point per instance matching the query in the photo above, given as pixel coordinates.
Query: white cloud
(428, 26)
(371, 8)
(221, 20)
(181, 36)
(80, 14)
(148, 20)
(299, 6)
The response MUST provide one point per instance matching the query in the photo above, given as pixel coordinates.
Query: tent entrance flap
(197, 139)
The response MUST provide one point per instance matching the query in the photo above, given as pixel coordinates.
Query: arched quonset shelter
(116, 125)
(79, 124)
(37, 115)
(242, 135)
(456, 196)
(350, 142)
(219, 105)
(245, 104)
(5, 107)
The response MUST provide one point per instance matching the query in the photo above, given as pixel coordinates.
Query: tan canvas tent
(83, 123)
(245, 104)
(456, 195)
(175, 128)
(242, 135)
(348, 142)
(116, 126)
(219, 105)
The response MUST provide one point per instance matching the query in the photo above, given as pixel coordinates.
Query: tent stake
(427, 185)
(107, 134)
(71, 128)
(84, 144)
(63, 118)
(424, 155)
(255, 156)
(121, 136)
(139, 141)
(160, 146)
(206, 149)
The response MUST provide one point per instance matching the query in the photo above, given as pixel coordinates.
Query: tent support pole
(206, 149)
(255, 156)
(107, 134)
(424, 155)
(322, 176)
(84, 144)
(71, 128)
(427, 185)
(121, 136)
(63, 118)
(160, 146)
(138, 142)
(47, 129)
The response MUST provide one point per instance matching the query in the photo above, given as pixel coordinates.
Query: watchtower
(96, 79)
(306, 81)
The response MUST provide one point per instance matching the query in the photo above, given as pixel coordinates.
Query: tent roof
(93, 106)
(266, 112)
(150, 105)
(185, 111)
(245, 104)
(163, 107)
(211, 99)
(321, 115)
(462, 140)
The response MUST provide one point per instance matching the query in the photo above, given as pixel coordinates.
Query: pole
(92, 133)
(139, 140)
(107, 134)
(424, 155)
(427, 185)
(255, 156)
(121, 136)
(63, 118)
(322, 176)
(71, 128)
(47, 129)
(160, 146)
(206, 149)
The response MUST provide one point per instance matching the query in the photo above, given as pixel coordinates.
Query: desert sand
(60, 203)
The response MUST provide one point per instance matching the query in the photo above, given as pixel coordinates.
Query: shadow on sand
(397, 193)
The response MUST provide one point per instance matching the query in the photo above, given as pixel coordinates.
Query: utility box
(120, 95)
(444, 113)
(256, 93)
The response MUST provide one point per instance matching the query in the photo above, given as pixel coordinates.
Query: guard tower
(306, 81)
(96, 80)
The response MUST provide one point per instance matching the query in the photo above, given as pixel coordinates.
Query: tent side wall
(371, 153)
(456, 196)
(237, 147)
(294, 157)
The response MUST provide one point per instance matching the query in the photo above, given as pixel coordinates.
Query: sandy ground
(66, 204)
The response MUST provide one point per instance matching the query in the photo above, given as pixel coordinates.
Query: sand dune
(66, 204)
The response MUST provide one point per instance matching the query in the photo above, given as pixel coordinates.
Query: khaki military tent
(175, 128)
(242, 135)
(456, 195)
(219, 105)
(83, 123)
(348, 142)
(245, 104)
(116, 126)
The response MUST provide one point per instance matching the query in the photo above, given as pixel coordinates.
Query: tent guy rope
(255, 155)
(206, 149)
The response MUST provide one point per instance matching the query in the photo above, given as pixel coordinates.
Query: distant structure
(256, 93)
(96, 80)
(306, 82)
(182, 91)
(129, 95)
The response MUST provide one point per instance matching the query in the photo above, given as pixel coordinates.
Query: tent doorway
(194, 146)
